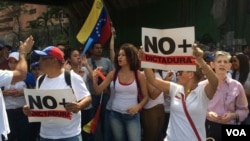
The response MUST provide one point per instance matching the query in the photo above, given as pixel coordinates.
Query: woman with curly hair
(125, 107)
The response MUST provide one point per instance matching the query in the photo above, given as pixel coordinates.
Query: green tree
(36, 31)
(14, 10)
(58, 14)
(46, 21)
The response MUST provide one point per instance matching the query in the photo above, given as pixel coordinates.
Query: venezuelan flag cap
(51, 51)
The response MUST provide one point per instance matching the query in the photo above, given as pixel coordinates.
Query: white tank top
(125, 96)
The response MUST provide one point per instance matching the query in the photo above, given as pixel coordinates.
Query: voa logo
(236, 132)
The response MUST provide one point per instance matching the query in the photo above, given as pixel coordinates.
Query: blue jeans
(108, 136)
(125, 127)
(75, 138)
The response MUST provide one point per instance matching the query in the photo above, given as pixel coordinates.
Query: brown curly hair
(131, 53)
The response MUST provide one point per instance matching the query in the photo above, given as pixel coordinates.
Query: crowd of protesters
(137, 104)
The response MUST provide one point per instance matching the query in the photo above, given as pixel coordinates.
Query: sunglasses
(179, 73)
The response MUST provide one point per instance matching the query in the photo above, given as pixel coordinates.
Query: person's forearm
(20, 72)
(211, 76)
(207, 70)
(242, 114)
(96, 88)
(21, 68)
(155, 93)
(85, 102)
(22, 65)
(112, 49)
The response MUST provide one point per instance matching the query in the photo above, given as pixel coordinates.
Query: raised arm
(213, 81)
(112, 46)
(162, 85)
(86, 64)
(153, 92)
(20, 72)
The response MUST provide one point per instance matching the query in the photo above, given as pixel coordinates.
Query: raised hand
(67, 65)
(140, 52)
(26, 46)
(26, 110)
(197, 52)
(84, 60)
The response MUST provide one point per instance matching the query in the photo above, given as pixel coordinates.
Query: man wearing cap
(8, 77)
(51, 63)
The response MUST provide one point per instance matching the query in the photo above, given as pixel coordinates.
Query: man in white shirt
(8, 77)
(51, 64)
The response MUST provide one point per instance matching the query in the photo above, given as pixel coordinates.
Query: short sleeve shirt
(5, 77)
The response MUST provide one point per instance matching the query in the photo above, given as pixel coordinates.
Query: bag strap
(67, 78)
(139, 94)
(93, 63)
(41, 80)
(137, 80)
(189, 118)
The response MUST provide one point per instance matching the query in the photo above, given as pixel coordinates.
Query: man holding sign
(56, 95)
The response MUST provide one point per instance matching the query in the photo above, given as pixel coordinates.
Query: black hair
(243, 68)
(244, 47)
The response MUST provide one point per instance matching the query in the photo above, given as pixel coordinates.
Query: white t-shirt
(15, 102)
(5, 77)
(52, 129)
(179, 128)
(86, 73)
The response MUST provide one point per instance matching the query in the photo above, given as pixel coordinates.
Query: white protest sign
(168, 49)
(49, 104)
